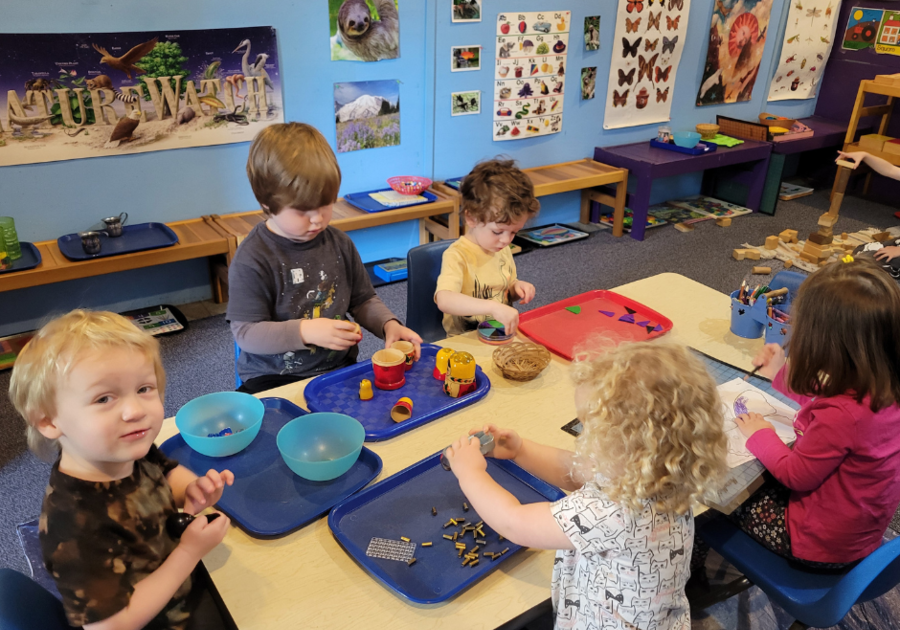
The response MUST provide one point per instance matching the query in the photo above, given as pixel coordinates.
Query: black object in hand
(178, 522)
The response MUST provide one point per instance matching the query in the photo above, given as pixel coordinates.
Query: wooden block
(825, 231)
(845, 163)
(723, 221)
(881, 237)
(873, 142)
(761, 271)
(892, 147)
(843, 236)
(684, 227)
(816, 250)
(751, 254)
(820, 239)
(788, 263)
(809, 258)
(738, 254)
(848, 247)
(788, 236)
(822, 263)
(796, 248)
(771, 242)
(828, 220)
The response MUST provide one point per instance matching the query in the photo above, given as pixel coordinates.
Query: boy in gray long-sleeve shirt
(294, 279)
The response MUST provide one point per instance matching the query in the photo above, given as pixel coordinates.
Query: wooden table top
(197, 238)
(346, 217)
(306, 580)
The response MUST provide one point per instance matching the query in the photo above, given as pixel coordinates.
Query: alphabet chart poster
(530, 73)
(650, 35)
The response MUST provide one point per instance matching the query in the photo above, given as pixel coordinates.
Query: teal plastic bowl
(686, 139)
(212, 413)
(321, 446)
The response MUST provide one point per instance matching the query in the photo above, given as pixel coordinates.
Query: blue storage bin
(743, 323)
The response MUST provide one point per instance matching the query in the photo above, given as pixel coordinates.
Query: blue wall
(65, 197)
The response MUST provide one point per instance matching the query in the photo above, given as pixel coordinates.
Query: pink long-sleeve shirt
(844, 471)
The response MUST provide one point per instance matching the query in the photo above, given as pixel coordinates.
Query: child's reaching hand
(395, 331)
(202, 536)
(507, 442)
(205, 491)
(887, 253)
(465, 456)
(750, 423)
(506, 315)
(858, 157)
(769, 360)
(525, 291)
(334, 334)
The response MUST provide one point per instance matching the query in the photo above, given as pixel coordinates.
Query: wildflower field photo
(367, 115)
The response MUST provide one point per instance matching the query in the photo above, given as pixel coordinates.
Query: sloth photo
(364, 30)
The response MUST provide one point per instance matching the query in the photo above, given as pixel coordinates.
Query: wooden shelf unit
(860, 110)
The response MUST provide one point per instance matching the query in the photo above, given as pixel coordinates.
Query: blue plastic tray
(135, 238)
(363, 201)
(702, 148)
(338, 391)
(31, 258)
(401, 506)
(267, 500)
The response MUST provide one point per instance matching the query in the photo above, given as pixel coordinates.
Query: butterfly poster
(808, 37)
(650, 35)
(737, 38)
(530, 73)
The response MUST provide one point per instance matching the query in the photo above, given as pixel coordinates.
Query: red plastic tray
(604, 312)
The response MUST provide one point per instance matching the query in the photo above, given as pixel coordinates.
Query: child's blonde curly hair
(652, 422)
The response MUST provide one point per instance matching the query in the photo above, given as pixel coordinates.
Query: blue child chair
(424, 266)
(816, 600)
(26, 605)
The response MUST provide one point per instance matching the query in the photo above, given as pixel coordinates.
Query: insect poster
(862, 27)
(530, 73)
(737, 38)
(808, 37)
(650, 36)
(78, 95)
(464, 103)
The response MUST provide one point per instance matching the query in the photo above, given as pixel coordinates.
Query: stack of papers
(393, 199)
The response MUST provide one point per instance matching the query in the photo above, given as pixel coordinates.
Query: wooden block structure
(723, 221)
(761, 271)
(821, 239)
(772, 242)
(892, 146)
(873, 142)
(788, 236)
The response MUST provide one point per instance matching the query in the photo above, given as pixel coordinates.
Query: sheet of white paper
(740, 397)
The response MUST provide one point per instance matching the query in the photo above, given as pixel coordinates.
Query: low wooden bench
(197, 238)
(587, 175)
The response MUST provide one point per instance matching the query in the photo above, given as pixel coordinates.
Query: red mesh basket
(409, 184)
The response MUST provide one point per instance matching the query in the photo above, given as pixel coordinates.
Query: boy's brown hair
(497, 191)
(291, 165)
(846, 337)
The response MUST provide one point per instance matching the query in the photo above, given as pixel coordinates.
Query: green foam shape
(574, 309)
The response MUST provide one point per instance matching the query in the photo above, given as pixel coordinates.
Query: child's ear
(470, 221)
(47, 428)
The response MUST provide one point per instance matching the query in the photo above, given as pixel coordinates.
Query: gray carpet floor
(200, 360)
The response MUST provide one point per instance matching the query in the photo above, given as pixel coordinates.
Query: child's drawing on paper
(740, 397)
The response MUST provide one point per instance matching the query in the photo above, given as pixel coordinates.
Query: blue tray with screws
(338, 392)
(401, 505)
(267, 499)
(31, 258)
(135, 238)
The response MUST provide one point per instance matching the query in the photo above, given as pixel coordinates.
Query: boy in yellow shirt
(478, 275)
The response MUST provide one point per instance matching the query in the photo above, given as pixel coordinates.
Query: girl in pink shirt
(834, 492)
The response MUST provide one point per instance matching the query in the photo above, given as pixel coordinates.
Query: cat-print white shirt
(628, 570)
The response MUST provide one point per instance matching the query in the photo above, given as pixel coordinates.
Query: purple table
(645, 163)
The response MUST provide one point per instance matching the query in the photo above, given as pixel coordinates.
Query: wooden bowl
(521, 361)
(771, 120)
(707, 131)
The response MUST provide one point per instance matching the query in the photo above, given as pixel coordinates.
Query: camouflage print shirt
(99, 539)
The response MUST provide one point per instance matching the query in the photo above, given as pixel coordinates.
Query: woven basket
(707, 131)
(521, 361)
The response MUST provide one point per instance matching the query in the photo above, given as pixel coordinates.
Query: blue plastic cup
(743, 324)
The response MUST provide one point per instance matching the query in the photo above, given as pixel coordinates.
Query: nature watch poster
(808, 38)
(737, 38)
(646, 52)
(79, 95)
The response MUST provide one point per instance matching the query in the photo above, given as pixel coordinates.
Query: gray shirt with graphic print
(273, 282)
